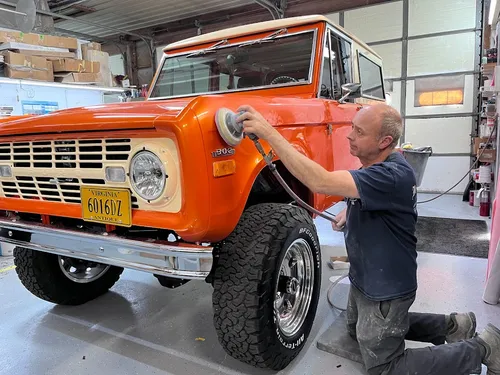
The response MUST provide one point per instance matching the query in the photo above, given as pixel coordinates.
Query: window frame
(363, 95)
(309, 81)
(328, 30)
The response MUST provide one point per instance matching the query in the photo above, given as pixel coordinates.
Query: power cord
(467, 174)
(330, 290)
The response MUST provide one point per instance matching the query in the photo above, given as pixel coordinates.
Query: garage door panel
(443, 172)
(391, 54)
(444, 135)
(393, 91)
(371, 23)
(431, 16)
(412, 99)
(448, 53)
(334, 17)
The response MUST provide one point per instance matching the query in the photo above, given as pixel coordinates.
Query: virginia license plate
(106, 206)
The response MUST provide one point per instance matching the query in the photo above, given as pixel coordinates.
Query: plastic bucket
(418, 158)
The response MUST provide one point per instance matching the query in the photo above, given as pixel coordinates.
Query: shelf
(489, 91)
(60, 85)
(489, 68)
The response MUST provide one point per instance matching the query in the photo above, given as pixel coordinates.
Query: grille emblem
(57, 181)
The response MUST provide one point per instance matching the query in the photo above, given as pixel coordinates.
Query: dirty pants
(382, 327)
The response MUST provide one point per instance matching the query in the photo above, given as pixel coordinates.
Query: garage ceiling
(146, 16)
(131, 15)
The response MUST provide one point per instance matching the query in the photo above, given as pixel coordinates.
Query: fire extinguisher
(484, 201)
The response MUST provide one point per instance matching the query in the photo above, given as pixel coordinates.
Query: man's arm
(310, 173)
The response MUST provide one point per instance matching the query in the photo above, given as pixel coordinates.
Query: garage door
(431, 55)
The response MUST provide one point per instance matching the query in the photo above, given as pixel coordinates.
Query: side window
(336, 66)
(371, 78)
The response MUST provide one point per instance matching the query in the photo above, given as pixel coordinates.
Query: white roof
(259, 27)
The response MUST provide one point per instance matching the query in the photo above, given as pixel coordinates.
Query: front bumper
(164, 258)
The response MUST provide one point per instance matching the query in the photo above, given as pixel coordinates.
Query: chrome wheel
(81, 271)
(294, 288)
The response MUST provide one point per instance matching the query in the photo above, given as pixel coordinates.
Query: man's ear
(385, 142)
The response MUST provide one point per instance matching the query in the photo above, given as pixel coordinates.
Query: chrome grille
(54, 170)
(65, 154)
(67, 190)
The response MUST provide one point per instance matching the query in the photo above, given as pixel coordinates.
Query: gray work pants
(382, 327)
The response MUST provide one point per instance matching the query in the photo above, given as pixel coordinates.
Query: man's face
(364, 139)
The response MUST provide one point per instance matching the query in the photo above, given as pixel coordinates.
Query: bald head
(389, 120)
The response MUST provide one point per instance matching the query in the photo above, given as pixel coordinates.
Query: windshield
(283, 61)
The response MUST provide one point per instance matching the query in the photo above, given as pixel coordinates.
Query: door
(337, 70)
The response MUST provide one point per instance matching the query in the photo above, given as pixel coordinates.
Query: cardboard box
(7, 36)
(35, 50)
(105, 78)
(90, 47)
(77, 77)
(477, 143)
(488, 155)
(77, 66)
(21, 66)
(52, 56)
(57, 41)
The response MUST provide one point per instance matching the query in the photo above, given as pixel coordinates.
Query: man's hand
(341, 219)
(254, 123)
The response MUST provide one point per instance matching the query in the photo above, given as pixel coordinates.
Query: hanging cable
(468, 172)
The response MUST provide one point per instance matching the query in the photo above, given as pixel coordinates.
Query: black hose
(272, 167)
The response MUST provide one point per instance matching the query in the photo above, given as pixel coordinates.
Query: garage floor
(143, 328)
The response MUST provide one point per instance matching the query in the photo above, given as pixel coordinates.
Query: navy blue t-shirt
(380, 230)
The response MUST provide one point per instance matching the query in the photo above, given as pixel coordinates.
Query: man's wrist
(274, 137)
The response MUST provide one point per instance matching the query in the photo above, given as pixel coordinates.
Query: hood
(119, 116)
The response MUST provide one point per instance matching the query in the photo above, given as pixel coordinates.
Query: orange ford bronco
(152, 186)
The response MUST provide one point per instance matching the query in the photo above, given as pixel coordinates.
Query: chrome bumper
(159, 257)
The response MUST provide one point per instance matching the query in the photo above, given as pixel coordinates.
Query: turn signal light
(224, 168)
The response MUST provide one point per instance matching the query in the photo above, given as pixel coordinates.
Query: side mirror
(352, 90)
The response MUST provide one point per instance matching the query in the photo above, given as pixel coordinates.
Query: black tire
(41, 274)
(245, 279)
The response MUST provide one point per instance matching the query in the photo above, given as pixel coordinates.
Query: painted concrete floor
(143, 328)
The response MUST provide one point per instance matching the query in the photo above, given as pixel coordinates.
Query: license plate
(106, 206)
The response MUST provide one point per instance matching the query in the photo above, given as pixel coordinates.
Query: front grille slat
(73, 156)
(66, 153)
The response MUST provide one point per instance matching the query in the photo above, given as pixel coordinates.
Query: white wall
(334, 17)
(391, 54)
(117, 65)
(431, 16)
(450, 135)
(442, 54)
(427, 55)
(376, 23)
(443, 172)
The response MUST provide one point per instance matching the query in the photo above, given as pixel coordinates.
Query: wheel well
(267, 189)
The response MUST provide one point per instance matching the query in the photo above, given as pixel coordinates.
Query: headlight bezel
(161, 166)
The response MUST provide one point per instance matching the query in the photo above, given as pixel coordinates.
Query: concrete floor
(143, 328)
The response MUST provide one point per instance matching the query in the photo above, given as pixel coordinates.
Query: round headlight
(147, 175)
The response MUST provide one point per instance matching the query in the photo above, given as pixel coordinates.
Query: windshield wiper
(212, 48)
(267, 39)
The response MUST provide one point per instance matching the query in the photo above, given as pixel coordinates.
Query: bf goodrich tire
(43, 276)
(266, 285)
